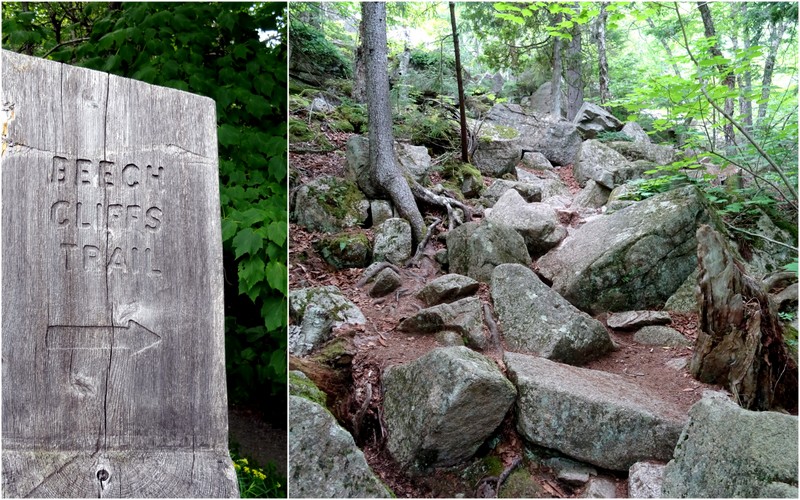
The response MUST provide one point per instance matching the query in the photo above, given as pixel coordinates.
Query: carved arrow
(134, 337)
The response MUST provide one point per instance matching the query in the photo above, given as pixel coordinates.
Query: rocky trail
(554, 394)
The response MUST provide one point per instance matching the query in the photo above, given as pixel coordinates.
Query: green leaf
(274, 312)
(247, 242)
(229, 228)
(228, 135)
(277, 276)
(248, 354)
(277, 232)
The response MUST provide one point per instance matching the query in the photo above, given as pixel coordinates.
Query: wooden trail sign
(112, 294)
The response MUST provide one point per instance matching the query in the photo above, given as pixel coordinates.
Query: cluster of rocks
(625, 258)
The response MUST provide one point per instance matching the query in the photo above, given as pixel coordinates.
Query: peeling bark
(740, 342)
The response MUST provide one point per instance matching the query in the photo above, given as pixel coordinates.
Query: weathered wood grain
(112, 324)
(740, 340)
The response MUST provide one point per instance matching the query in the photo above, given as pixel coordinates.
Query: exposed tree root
(368, 275)
(489, 487)
(424, 194)
(418, 254)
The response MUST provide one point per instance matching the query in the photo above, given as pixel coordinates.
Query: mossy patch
(354, 114)
(341, 199)
(494, 131)
(300, 385)
(299, 131)
(344, 250)
(341, 126)
(520, 484)
(298, 103)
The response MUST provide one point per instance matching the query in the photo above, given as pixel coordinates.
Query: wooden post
(112, 324)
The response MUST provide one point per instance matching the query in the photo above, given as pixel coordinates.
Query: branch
(754, 143)
(77, 40)
(760, 236)
(741, 129)
(755, 175)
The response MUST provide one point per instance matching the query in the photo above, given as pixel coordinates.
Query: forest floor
(378, 345)
(258, 437)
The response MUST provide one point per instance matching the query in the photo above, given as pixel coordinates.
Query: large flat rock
(726, 451)
(593, 416)
(632, 259)
(441, 407)
(534, 319)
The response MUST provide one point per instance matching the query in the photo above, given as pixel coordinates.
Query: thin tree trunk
(729, 78)
(746, 79)
(574, 74)
(775, 36)
(666, 49)
(383, 169)
(461, 108)
(602, 61)
(555, 86)
(359, 93)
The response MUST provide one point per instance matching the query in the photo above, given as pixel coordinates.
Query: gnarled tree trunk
(740, 341)
(381, 139)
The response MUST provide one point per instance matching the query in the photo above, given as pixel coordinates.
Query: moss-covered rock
(343, 250)
(300, 385)
(330, 204)
(520, 484)
(299, 131)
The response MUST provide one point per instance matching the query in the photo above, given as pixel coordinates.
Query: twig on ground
(489, 487)
(359, 417)
(760, 236)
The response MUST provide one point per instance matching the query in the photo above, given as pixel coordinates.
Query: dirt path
(658, 370)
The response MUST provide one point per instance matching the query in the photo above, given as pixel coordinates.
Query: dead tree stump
(740, 341)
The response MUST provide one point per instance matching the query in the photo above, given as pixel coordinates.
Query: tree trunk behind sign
(555, 87)
(740, 344)
(602, 61)
(359, 93)
(574, 73)
(383, 169)
(461, 110)
(724, 72)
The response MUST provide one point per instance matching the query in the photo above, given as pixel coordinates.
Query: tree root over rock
(489, 487)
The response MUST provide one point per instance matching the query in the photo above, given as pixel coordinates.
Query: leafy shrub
(312, 50)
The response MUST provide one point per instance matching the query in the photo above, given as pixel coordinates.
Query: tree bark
(555, 86)
(383, 169)
(461, 108)
(664, 44)
(740, 343)
(746, 79)
(574, 74)
(359, 93)
(728, 77)
(775, 36)
(602, 61)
